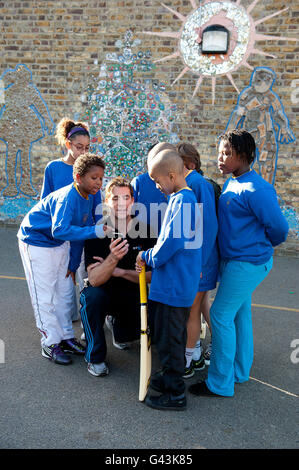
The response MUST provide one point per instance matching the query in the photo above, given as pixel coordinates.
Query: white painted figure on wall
(260, 111)
(24, 119)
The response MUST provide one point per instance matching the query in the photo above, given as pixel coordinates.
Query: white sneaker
(83, 338)
(109, 324)
(98, 370)
(207, 354)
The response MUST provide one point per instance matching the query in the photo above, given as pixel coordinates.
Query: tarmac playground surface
(48, 406)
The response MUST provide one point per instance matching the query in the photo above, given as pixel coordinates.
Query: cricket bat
(145, 340)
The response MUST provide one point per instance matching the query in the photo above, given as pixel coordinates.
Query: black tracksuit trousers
(168, 327)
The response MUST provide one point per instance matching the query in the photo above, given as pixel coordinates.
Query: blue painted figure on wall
(24, 119)
(259, 110)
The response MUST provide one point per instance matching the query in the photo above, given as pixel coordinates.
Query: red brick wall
(64, 43)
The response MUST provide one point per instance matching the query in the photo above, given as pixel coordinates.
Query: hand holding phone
(117, 234)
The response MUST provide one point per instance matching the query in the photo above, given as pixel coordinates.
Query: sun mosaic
(243, 36)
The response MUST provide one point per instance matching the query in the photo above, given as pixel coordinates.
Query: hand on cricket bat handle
(139, 262)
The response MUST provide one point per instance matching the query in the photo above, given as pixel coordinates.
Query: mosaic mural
(292, 218)
(260, 111)
(243, 36)
(24, 120)
(259, 108)
(126, 111)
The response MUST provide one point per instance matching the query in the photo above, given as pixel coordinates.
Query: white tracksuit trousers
(52, 294)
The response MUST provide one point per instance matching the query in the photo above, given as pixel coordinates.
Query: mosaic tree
(127, 111)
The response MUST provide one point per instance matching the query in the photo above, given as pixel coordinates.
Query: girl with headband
(74, 137)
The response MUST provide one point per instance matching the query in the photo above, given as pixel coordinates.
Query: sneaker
(207, 354)
(98, 370)
(189, 371)
(166, 402)
(109, 324)
(201, 389)
(198, 365)
(56, 354)
(72, 346)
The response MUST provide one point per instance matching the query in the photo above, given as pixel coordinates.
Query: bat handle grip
(142, 286)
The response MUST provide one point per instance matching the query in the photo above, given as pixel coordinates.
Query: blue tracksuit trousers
(232, 336)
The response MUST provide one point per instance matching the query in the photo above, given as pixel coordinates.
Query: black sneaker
(72, 346)
(200, 364)
(166, 402)
(54, 353)
(189, 371)
(201, 389)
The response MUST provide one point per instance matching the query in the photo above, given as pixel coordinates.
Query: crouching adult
(111, 292)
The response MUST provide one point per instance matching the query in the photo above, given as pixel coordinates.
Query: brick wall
(63, 43)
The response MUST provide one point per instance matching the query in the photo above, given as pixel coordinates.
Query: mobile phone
(117, 234)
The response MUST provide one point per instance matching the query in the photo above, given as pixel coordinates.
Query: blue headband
(75, 129)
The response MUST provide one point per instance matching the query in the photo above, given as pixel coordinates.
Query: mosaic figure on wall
(126, 114)
(24, 119)
(260, 111)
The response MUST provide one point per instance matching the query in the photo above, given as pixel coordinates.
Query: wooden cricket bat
(145, 340)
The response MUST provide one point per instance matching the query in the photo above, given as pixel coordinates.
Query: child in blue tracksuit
(176, 264)
(74, 137)
(250, 224)
(147, 194)
(205, 195)
(51, 239)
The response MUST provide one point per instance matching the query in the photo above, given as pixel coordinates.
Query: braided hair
(189, 154)
(242, 142)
